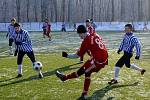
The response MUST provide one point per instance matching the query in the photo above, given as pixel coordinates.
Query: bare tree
(75, 10)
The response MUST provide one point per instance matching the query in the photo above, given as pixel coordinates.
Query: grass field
(132, 85)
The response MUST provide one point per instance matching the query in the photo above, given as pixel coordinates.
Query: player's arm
(138, 48)
(83, 49)
(72, 56)
(120, 47)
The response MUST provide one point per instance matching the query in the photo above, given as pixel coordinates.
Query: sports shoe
(113, 81)
(82, 97)
(19, 75)
(40, 75)
(143, 71)
(60, 75)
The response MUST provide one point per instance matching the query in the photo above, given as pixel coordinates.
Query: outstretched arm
(65, 54)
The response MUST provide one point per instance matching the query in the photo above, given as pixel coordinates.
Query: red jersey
(91, 30)
(94, 44)
(48, 28)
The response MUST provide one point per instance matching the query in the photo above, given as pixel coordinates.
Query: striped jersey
(129, 42)
(24, 39)
(11, 31)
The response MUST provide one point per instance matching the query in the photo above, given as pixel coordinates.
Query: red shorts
(92, 66)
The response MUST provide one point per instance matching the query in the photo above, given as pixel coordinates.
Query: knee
(128, 65)
(88, 74)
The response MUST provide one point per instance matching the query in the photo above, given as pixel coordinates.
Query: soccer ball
(37, 65)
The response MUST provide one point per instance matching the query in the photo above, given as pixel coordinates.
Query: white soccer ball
(37, 65)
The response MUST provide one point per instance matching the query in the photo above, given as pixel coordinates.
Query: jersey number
(100, 43)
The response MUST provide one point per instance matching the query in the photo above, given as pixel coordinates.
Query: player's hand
(64, 54)
(18, 43)
(137, 57)
(119, 51)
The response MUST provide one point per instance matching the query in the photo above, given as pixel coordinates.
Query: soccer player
(47, 29)
(63, 29)
(10, 33)
(128, 43)
(23, 46)
(93, 24)
(90, 31)
(98, 60)
(89, 26)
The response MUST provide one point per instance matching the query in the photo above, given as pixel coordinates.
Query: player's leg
(19, 63)
(80, 72)
(48, 35)
(63, 77)
(32, 58)
(81, 59)
(117, 68)
(87, 82)
(133, 66)
(10, 46)
(44, 33)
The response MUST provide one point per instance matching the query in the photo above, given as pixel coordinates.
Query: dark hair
(81, 29)
(129, 25)
(13, 19)
(16, 25)
(88, 20)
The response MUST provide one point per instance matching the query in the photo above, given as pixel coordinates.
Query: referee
(23, 46)
(127, 45)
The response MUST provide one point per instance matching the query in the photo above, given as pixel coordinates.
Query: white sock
(20, 69)
(10, 49)
(117, 69)
(135, 67)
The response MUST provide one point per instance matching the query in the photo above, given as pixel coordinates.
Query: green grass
(132, 86)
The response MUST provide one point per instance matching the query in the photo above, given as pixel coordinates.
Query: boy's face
(128, 30)
(88, 24)
(17, 29)
(13, 22)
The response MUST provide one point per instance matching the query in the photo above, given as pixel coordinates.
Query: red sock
(87, 82)
(72, 75)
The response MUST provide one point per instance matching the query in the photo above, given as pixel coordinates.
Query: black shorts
(11, 42)
(21, 55)
(125, 59)
(44, 31)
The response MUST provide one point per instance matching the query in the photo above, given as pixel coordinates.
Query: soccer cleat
(19, 75)
(40, 75)
(143, 71)
(82, 97)
(60, 75)
(113, 81)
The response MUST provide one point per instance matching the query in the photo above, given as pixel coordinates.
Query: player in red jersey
(47, 29)
(89, 26)
(98, 60)
(91, 31)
